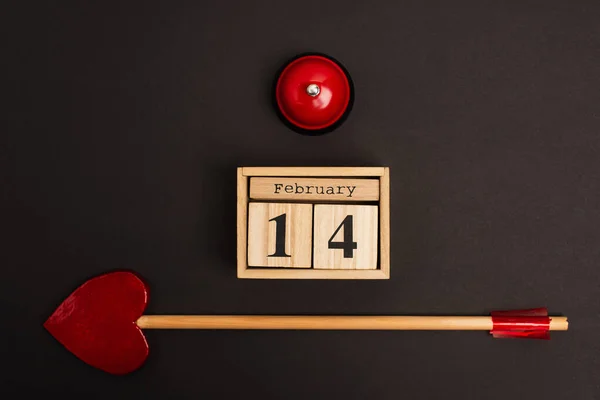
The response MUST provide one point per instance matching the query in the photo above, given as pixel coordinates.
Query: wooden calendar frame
(243, 200)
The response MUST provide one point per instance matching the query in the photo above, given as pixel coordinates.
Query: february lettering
(311, 189)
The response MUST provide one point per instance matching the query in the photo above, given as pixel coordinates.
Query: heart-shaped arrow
(101, 322)
(97, 322)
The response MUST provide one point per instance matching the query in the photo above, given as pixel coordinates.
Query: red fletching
(532, 323)
(97, 322)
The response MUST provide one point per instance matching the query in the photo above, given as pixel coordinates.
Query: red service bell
(313, 94)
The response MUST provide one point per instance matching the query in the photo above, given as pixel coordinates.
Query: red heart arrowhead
(97, 322)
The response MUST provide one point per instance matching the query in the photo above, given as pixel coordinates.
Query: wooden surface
(318, 189)
(328, 217)
(310, 322)
(382, 256)
(313, 171)
(262, 235)
(242, 222)
(297, 273)
(384, 223)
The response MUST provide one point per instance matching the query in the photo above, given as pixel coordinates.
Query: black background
(126, 123)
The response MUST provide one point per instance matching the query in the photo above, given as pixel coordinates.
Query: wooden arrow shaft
(316, 322)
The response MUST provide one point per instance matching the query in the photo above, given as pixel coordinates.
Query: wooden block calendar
(313, 223)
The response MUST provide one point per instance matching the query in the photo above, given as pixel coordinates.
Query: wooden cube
(351, 188)
(345, 236)
(280, 235)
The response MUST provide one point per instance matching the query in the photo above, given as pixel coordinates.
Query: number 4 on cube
(345, 236)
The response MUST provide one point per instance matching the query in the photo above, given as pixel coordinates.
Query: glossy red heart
(97, 322)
